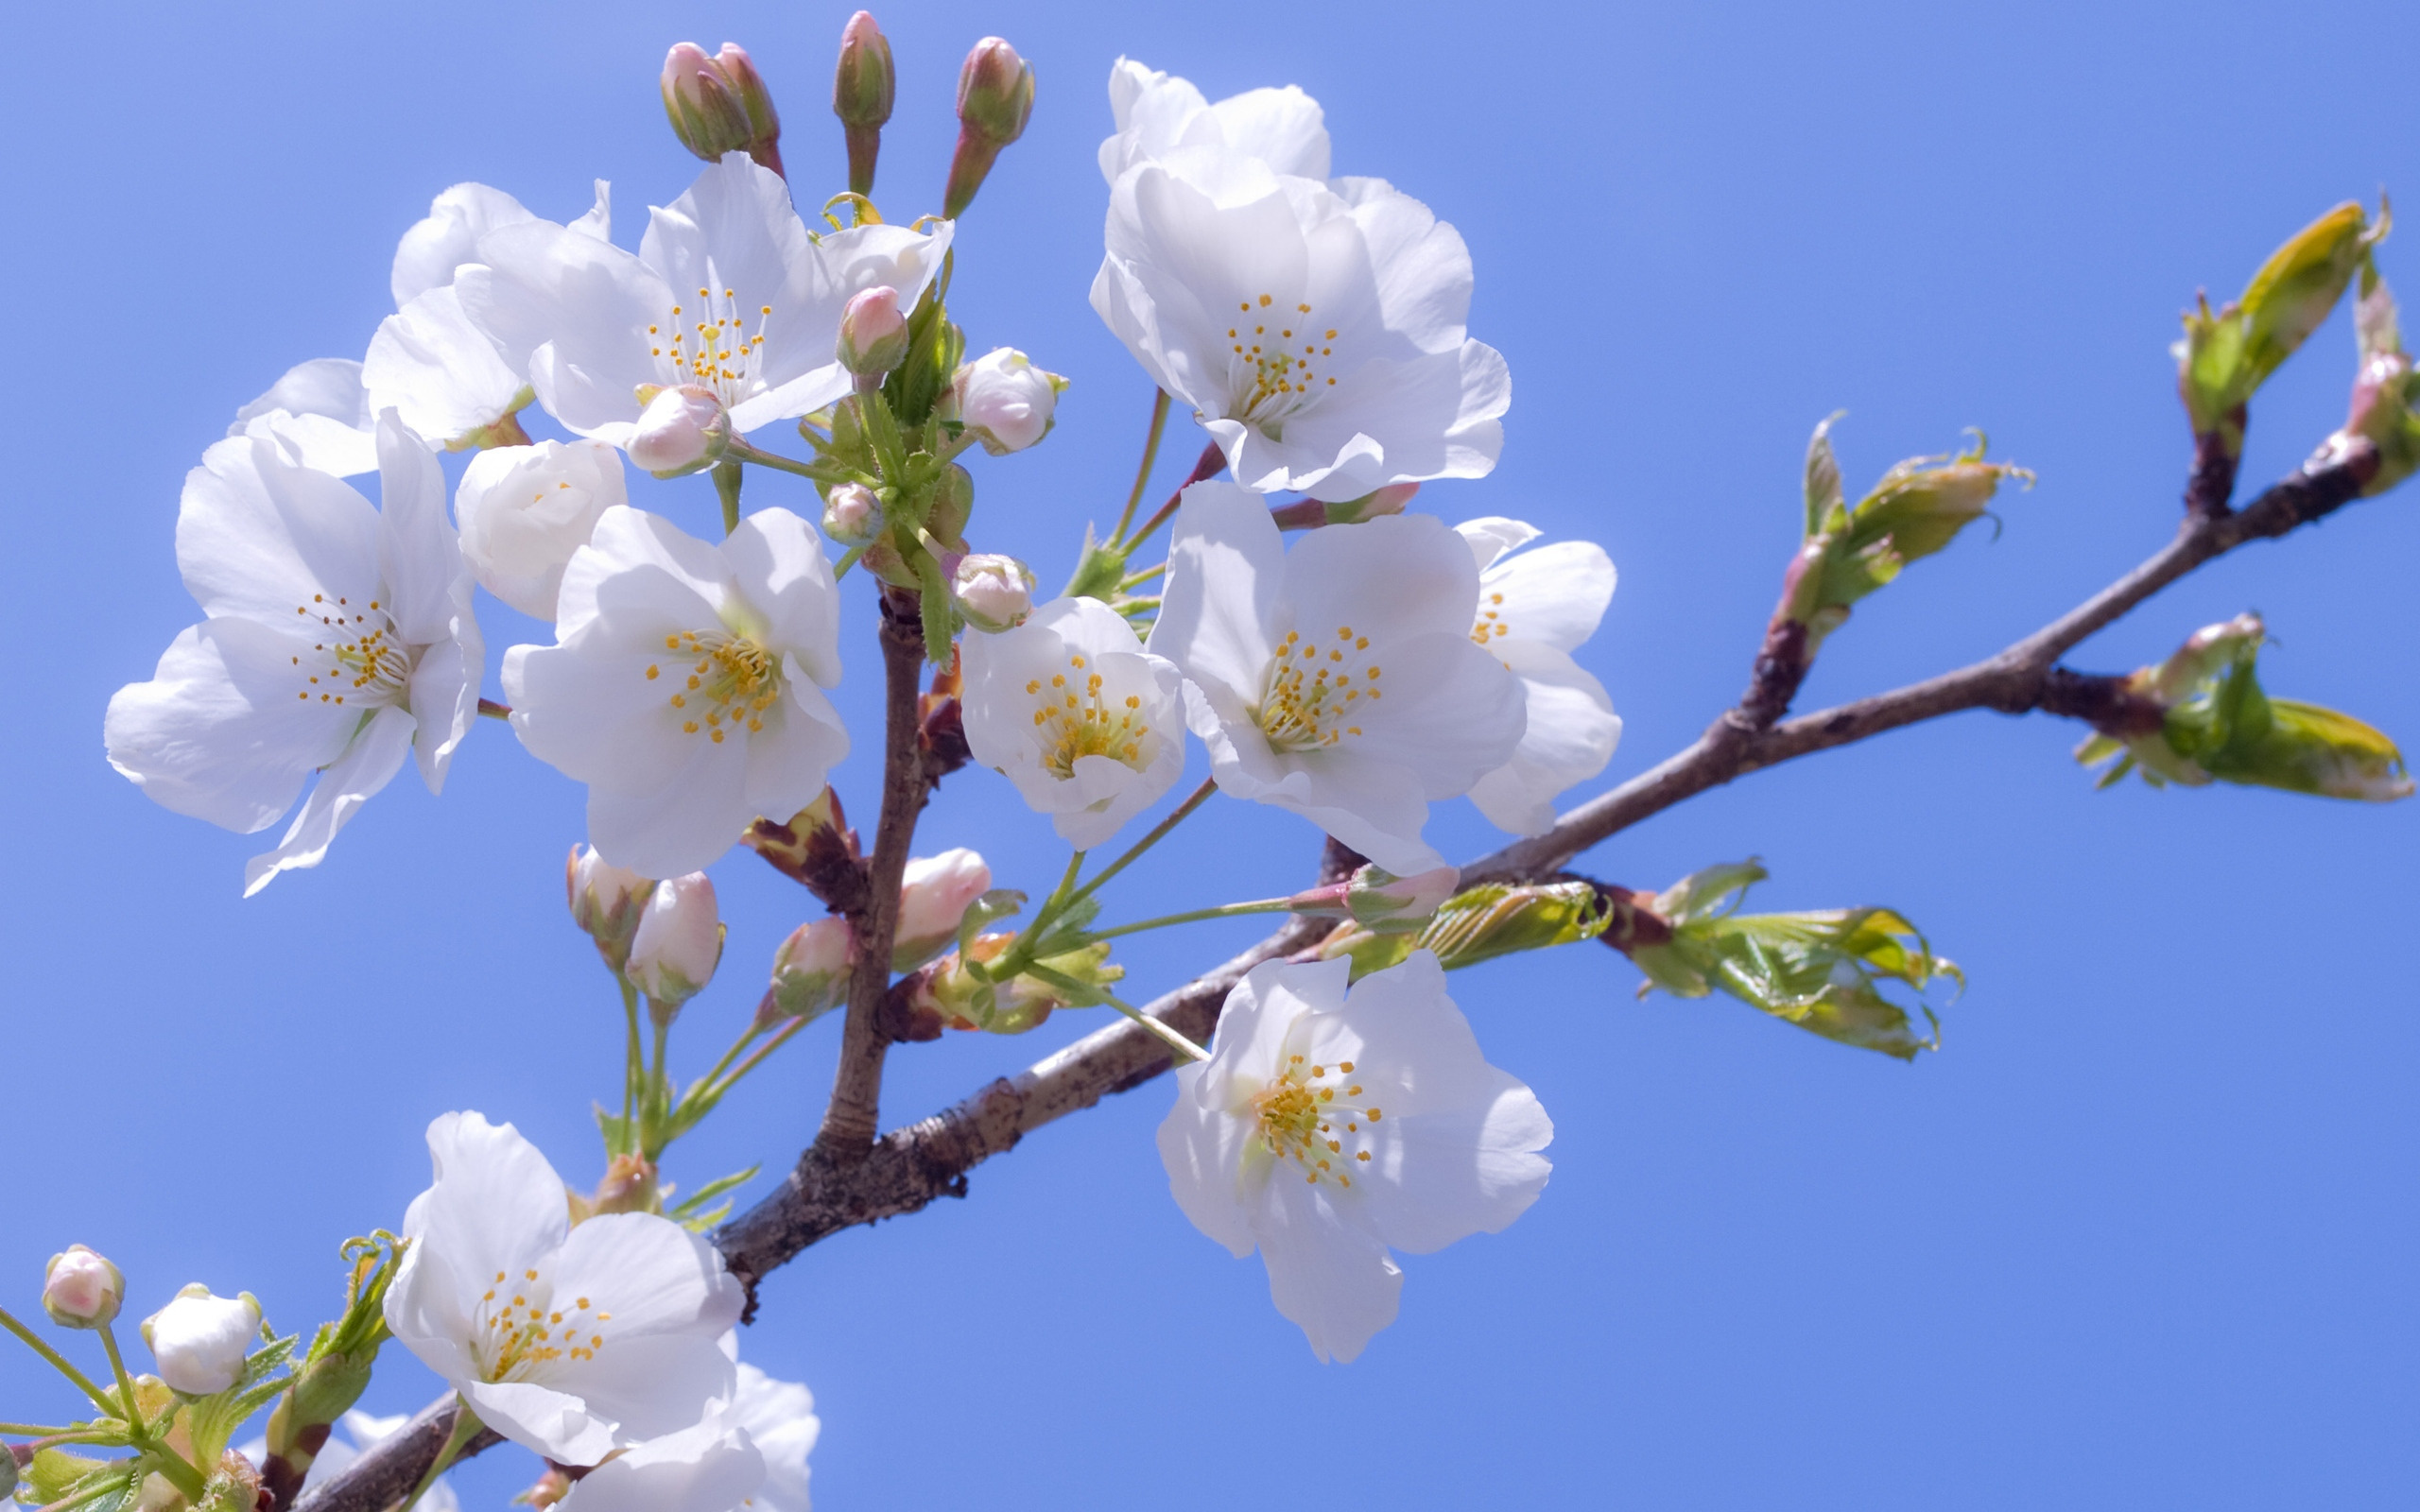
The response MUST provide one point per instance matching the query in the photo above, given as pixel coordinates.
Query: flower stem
(1162, 1032)
(1151, 454)
(728, 477)
(738, 451)
(60, 1362)
(1020, 950)
(466, 1427)
(633, 1064)
(1211, 463)
(1265, 905)
(1159, 832)
(847, 560)
(490, 709)
(117, 1364)
(780, 1037)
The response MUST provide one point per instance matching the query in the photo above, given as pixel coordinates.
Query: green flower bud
(1381, 900)
(861, 94)
(995, 98)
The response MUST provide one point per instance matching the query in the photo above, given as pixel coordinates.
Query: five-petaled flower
(339, 637)
(1338, 681)
(1315, 328)
(571, 1341)
(1073, 710)
(1534, 609)
(728, 292)
(685, 684)
(1332, 1124)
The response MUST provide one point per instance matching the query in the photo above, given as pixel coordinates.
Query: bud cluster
(718, 104)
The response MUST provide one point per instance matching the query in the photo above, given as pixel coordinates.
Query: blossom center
(1278, 363)
(360, 659)
(721, 682)
(1072, 723)
(1309, 695)
(517, 1329)
(1301, 1121)
(709, 345)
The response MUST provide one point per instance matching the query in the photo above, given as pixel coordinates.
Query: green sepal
(1100, 572)
(55, 1475)
(692, 1213)
(209, 1421)
(1823, 496)
(938, 608)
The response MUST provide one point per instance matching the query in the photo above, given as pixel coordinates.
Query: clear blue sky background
(2140, 1235)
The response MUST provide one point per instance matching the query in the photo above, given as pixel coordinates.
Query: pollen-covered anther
(734, 680)
(1073, 725)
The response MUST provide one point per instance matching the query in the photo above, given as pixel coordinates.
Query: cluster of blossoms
(1313, 326)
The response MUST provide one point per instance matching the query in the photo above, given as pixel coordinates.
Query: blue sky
(2139, 1235)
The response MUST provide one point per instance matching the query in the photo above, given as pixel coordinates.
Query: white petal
(218, 733)
(366, 765)
(259, 537)
(1328, 1277)
(1452, 713)
(523, 510)
(1226, 570)
(1571, 733)
(1393, 577)
(779, 1417)
(784, 580)
(1555, 595)
(573, 311)
(669, 1301)
(1490, 536)
(441, 371)
(710, 1467)
(541, 1419)
(448, 236)
(320, 412)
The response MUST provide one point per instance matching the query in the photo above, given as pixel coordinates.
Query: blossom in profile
(1340, 679)
(686, 683)
(1070, 708)
(727, 293)
(337, 638)
(1535, 608)
(1333, 1125)
(571, 1341)
(525, 509)
(1316, 330)
(1162, 117)
(201, 1340)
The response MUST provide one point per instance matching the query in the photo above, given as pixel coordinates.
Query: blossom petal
(1556, 593)
(1452, 713)
(1329, 1277)
(1388, 578)
(320, 412)
(541, 1419)
(218, 734)
(669, 1300)
(1571, 733)
(780, 1418)
(1490, 536)
(1226, 570)
(260, 536)
(784, 580)
(682, 825)
(448, 236)
(443, 373)
(366, 765)
(712, 1465)
(573, 312)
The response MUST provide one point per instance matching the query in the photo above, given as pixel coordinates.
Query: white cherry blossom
(201, 1340)
(685, 684)
(1534, 609)
(525, 509)
(1316, 330)
(780, 1418)
(1070, 708)
(570, 1341)
(1330, 1126)
(712, 1465)
(339, 636)
(1338, 681)
(727, 292)
(1159, 116)
(449, 381)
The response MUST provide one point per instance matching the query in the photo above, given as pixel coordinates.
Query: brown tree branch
(910, 1167)
(851, 1117)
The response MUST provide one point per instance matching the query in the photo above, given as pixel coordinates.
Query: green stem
(117, 1365)
(89, 1493)
(1159, 832)
(1265, 905)
(32, 1431)
(466, 1427)
(728, 477)
(634, 1065)
(738, 451)
(780, 1037)
(60, 1363)
(706, 1082)
(662, 1034)
(1078, 991)
(1143, 473)
(847, 560)
(1020, 951)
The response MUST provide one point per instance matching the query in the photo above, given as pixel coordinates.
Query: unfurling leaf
(1479, 924)
(2224, 358)
(2222, 727)
(1822, 971)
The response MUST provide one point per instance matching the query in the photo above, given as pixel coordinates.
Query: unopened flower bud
(994, 97)
(678, 941)
(1004, 399)
(605, 901)
(852, 514)
(960, 1000)
(994, 593)
(861, 92)
(811, 971)
(81, 1290)
(201, 1340)
(874, 334)
(629, 1185)
(679, 431)
(934, 894)
(8, 1476)
(719, 104)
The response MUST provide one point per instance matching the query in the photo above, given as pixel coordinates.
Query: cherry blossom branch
(908, 1168)
(853, 1117)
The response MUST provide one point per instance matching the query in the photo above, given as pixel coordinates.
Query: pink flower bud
(811, 971)
(994, 593)
(861, 92)
(994, 91)
(873, 332)
(678, 942)
(719, 104)
(852, 513)
(681, 430)
(934, 894)
(605, 901)
(201, 1340)
(1381, 901)
(81, 1290)
(1004, 399)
